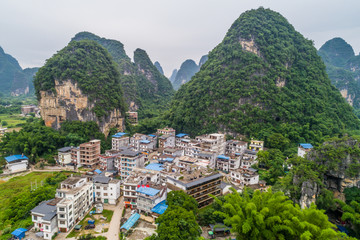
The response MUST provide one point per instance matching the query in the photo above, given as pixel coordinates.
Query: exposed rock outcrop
(69, 103)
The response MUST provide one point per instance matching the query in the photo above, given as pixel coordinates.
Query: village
(136, 175)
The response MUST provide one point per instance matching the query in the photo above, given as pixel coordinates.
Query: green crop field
(12, 121)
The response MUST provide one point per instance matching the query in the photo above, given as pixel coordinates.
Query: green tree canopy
(268, 215)
(181, 199)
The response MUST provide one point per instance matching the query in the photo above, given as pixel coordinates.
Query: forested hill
(145, 95)
(343, 68)
(263, 78)
(13, 79)
(88, 65)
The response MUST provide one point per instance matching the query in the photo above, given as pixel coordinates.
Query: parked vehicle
(90, 226)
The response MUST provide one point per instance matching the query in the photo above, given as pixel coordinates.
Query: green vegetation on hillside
(343, 68)
(90, 66)
(17, 198)
(142, 83)
(239, 91)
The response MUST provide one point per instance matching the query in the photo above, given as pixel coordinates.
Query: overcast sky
(171, 31)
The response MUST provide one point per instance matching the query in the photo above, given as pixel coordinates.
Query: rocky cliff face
(69, 103)
(81, 82)
(341, 159)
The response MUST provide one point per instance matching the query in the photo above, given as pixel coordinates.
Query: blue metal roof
(97, 171)
(148, 191)
(160, 208)
(19, 233)
(169, 159)
(155, 167)
(119, 134)
(306, 145)
(131, 221)
(223, 157)
(151, 135)
(144, 141)
(180, 135)
(16, 157)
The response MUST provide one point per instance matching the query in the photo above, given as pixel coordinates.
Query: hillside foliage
(90, 66)
(281, 89)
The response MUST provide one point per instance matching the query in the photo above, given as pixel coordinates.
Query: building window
(61, 209)
(105, 188)
(62, 222)
(35, 218)
(47, 227)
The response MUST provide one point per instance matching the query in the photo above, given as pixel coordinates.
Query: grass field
(12, 120)
(10, 189)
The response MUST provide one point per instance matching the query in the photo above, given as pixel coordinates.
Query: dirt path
(114, 227)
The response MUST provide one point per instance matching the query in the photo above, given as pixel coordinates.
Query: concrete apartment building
(248, 159)
(166, 140)
(149, 196)
(198, 183)
(106, 190)
(120, 140)
(228, 163)
(244, 177)
(137, 179)
(214, 142)
(76, 195)
(135, 140)
(127, 161)
(89, 153)
(44, 218)
(179, 137)
(235, 146)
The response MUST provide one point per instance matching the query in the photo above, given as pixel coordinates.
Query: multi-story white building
(44, 218)
(77, 200)
(244, 177)
(228, 163)
(212, 142)
(107, 190)
(135, 140)
(179, 137)
(149, 196)
(248, 159)
(120, 140)
(64, 155)
(147, 145)
(174, 152)
(166, 141)
(235, 146)
(166, 131)
(206, 159)
(138, 178)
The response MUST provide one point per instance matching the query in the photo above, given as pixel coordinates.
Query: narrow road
(114, 227)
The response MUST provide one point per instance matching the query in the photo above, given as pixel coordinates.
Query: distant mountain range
(14, 80)
(343, 68)
(186, 71)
